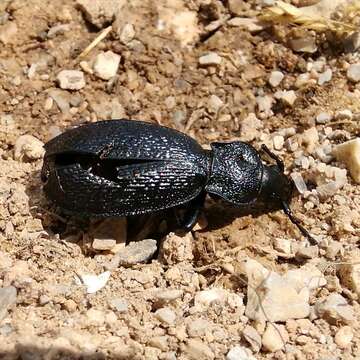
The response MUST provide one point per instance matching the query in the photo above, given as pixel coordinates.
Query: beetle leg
(193, 211)
(296, 222)
(279, 162)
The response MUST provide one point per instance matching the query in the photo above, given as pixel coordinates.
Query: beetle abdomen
(103, 171)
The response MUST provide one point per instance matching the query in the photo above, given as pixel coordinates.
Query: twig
(95, 42)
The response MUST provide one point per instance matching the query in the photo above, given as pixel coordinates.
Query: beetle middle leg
(192, 212)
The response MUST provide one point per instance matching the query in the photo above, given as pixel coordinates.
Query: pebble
(274, 338)
(278, 142)
(323, 118)
(205, 298)
(211, 58)
(28, 147)
(134, 253)
(236, 7)
(344, 336)
(214, 104)
(352, 42)
(167, 295)
(288, 97)
(160, 342)
(307, 252)
(120, 305)
(106, 65)
(335, 309)
(165, 315)
(7, 299)
(306, 44)
(276, 77)
(239, 353)
(253, 25)
(325, 77)
(8, 32)
(61, 98)
(282, 245)
(100, 12)
(264, 104)
(349, 154)
(198, 327)
(195, 349)
(71, 79)
(353, 72)
(251, 335)
(94, 283)
(58, 30)
(299, 182)
(127, 33)
(345, 114)
(250, 127)
(310, 139)
(49, 102)
(283, 297)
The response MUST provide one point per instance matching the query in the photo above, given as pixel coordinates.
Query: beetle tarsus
(296, 222)
(193, 211)
(279, 162)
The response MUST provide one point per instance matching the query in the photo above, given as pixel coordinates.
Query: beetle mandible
(126, 167)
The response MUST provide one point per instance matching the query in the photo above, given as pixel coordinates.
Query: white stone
(94, 283)
(278, 142)
(353, 72)
(325, 77)
(211, 58)
(28, 147)
(127, 33)
(253, 25)
(335, 309)
(206, 297)
(279, 297)
(274, 337)
(214, 104)
(106, 65)
(344, 336)
(71, 79)
(323, 118)
(165, 315)
(276, 77)
(282, 245)
(349, 153)
(305, 44)
(252, 336)
(345, 114)
(239, 353)
(288, 97)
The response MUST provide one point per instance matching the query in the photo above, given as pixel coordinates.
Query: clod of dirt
(344, 336)
(175, 248)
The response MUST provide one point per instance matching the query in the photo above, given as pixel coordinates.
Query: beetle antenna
(296, 222)
(279, 162)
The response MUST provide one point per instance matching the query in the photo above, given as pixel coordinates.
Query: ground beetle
(127, 167)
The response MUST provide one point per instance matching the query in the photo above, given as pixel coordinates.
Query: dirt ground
(192, 300)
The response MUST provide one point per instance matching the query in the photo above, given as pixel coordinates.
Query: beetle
(126, 167)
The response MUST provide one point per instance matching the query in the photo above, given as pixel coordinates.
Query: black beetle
(127, 167)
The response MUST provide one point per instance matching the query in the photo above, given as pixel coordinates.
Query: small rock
(175, 249)
(325, 77)
(167, 295)
(94, 283)
(198, 327)
(306, 44)
(236, 7)
(211, 58)
(323, 118)
(344, 336)
(250, 127)
(253, 25)
(264, 104)
(8, 32)
(195, 349)
(310, 139)
(28, 147)
(134, 253)
(345, 114)
(307, 252)
(349, 271)
(352, 42)
(109, 233)
(61, 98)
(282, 245)
(160, 342)
(335, 309)
(252, 337)
(118, 304)
(166, 316)
(349, 153)
(127, 33)
(71, 79)
(333, 250)
(7, 299)
(276, 77)
(299, 182)
(353, 72)
(214, 104)
(278, 142)
(106, 65)
(100, 12)
(58, 30)
(239, 353)
(274, 338)
(287, 97)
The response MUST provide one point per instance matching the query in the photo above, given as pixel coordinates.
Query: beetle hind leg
(192, 212)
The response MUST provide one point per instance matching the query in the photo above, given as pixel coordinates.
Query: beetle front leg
(193, 211)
